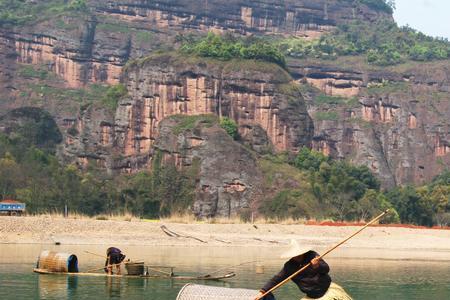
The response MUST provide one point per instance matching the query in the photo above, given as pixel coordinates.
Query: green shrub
(33, 127)
(185, 122)
(114, 27)
(19, 12)
(385, 55)
(340, 186)
(309, 159)
(326, 116)
(382, 42)
(113, 95)
(143, 36)
(78, 5)
(228, 47)
(230, 127)
(288, 204)
(325, 99)
(387, 6)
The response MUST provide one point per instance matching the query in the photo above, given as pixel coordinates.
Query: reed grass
(79, 216)
(184, 218)
(190, 219)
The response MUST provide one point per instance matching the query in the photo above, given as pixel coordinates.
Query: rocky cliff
(269, 111)
(229, 180)
(299, 17)
(93, 46)
(394, 120)
(250, 92)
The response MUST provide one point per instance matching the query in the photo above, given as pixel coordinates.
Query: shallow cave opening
(72, 264)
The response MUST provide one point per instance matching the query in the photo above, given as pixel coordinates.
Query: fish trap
(204, 292)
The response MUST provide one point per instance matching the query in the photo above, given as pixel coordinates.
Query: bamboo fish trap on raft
(203, 292)
(57, 262)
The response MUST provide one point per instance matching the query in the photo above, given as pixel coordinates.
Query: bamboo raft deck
(175, 277)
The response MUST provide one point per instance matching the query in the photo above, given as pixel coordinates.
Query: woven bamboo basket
(58, 262)
(135, 268)
(203, 292)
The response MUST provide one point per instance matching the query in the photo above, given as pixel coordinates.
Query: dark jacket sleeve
(282, 275)
(323, 267)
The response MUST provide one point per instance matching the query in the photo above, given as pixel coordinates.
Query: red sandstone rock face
(403, 137)
(401, 132)
(95, 47)
(399, 138)
(75, 59)
(298, 17)
(229, 180)
(268, 116)
(166, 85)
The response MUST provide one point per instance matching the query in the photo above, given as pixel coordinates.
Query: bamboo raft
(54, 263)
(174, 276)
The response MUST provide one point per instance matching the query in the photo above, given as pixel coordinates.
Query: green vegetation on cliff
(31, 127)
(381, 5)
(181, 60)
(230, 126)
(314, 186)
(309, 186)
(113, 95)
(227, 47)
(38, 85)
(382, 43)
(19, 12)
(31, 173)
(185, 122)
(317, 187)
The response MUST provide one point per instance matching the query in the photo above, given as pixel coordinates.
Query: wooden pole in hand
(320, 256)
(104, 256)
(97, 269)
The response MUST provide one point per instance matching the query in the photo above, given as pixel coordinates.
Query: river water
(362, 278)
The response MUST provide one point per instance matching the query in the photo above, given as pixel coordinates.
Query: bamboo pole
(104, 256)
(320, 256)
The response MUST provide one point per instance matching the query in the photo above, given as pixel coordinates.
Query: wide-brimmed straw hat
(294, 250)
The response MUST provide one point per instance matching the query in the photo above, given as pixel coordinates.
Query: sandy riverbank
(373, 242)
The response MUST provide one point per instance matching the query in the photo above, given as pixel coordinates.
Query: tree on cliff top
(19, 12)
(383, 5)
(228, 47)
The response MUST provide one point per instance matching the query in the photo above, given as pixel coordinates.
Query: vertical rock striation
(255, 94)
(247, 91)
(297, 17)
(399, 128)
(85, 47)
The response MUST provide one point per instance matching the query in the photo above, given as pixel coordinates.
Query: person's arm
(107, 265)
(320, 266)
(282, 275)
(261, 292)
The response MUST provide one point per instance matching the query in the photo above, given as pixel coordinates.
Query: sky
(428, 16)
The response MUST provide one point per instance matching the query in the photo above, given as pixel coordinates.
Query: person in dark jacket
(314, 281)
(114, 257)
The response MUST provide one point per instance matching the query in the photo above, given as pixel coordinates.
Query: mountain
(352, 85)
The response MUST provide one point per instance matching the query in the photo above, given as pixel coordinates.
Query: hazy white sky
(431, 17)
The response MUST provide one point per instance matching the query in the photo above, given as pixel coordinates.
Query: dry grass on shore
(78, 216)
(186, 218)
